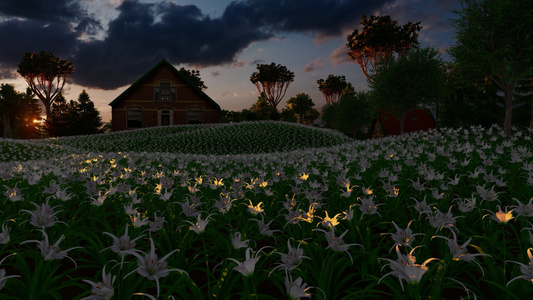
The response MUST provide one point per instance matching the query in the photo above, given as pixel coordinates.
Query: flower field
(267, 210)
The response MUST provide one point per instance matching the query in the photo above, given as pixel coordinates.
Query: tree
(495, 40)
(300, 105)
(27, 116)
(88, 117)
(411, 80)
(332, 87)
(263, 110)
(272, 81)
(379, 40)
(8, 102)
(46, 75)
(194, 77)
(74, 117)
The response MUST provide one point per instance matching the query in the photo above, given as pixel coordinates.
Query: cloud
(314, 65)
(340, 56)
(215, 73)
(139, 34)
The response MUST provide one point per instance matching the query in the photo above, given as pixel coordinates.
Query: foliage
(20, 113)
(332, 87)
(46, 75)
(410, 80)
(272, 81)
(263, 110)
(74, 118)
(469, 102)
(194, 77)
(351, 115)
(440, 215)
(495, 40)
(301, 104)
(380, 38)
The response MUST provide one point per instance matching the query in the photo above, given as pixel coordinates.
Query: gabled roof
(176, 72)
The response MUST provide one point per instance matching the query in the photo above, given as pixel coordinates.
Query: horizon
(111, 43)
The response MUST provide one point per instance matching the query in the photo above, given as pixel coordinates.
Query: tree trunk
(509, 90)
(7, 126)
(403, 116)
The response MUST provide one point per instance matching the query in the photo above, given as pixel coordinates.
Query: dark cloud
(144, 33)
(42, 10)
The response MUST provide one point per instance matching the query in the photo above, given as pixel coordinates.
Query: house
(416, 120)
(162, 96)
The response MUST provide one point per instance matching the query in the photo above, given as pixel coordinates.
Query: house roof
(176, 72)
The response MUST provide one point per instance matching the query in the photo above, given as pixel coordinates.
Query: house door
(165, 118)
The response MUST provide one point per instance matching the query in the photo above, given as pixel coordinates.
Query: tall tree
(46, 75)
(495, 40)
(263, 110)
(8, 102)
(194, 77)
(301, 104)
(416, 78)
(380, 38)
(332, 87)
(272, 81)
(88, 117)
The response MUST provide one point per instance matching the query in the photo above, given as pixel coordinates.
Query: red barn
(162, 96)
(416, 120)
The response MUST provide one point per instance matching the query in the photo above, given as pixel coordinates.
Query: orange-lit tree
(272, 81)
(380, 38)
(46, 75)
(332, 88)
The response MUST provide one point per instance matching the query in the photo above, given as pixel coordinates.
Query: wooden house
(416, 120)
(161, 97)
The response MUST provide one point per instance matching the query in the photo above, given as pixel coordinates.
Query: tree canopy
(380, 38)
(301, 104)
(273, 81)
(46, 75)
(495, 40)
(194, 77)
(332, 88)
(416, 78)
(19, 112)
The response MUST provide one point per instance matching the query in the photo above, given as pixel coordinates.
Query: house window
(164, 92)
(134, 118)
(165, 117)
(194, 116)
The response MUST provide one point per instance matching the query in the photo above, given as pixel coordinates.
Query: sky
(112, 43)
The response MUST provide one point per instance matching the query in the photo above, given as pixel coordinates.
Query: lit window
(194, 116)
(134, 118)
(164, 92)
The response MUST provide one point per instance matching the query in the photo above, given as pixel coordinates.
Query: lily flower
(403, 237)
(330, 222)
(405, 267)
(157, 223)
(4, 235)
(200, 225)
(51, 252)
(43, 216)
(527, 270)
(137, 220)
(460, 252)
(63, 195)
(525, 210)
(123, 245)
(3, 276)
(102, 290)
(151, 267)
(296, 289)
(368, 207)
(254, 210)
(337, 243)
(500, 216)
(247, 267)
(13, 194)
(292, 259)
(264, 229)
(237, 242)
